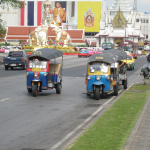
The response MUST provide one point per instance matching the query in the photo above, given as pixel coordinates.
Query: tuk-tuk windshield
(103, 67)
(37, 64)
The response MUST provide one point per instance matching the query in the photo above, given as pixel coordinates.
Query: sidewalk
(139, 138)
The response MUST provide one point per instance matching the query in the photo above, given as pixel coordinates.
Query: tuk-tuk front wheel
(58, 88)
(35, 90)
(97, 93)
(116, 90)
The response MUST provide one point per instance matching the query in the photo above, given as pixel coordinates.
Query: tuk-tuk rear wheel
(116, 90)
(58, 88)
(125, 84)
(35, 90)
(97, 93)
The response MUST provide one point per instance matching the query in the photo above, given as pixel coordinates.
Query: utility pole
(135, 5)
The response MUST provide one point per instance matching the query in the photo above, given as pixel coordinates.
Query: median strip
(112, 129)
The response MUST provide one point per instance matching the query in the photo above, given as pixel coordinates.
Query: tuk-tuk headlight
(35, 75)
(108, 77)
(89, 77)
(98, 78)
(27, 73)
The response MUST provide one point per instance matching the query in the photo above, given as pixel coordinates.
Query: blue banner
(30, 13)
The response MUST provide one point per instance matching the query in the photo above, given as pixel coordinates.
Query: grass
(111, 130)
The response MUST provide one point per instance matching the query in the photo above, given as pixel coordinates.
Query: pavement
(139, 138)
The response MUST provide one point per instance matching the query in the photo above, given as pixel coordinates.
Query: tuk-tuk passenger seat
(54, 68)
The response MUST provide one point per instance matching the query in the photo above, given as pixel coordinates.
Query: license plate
(12, 64)
(36, 69)
(13, 58)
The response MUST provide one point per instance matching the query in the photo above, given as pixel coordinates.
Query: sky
(142, 5)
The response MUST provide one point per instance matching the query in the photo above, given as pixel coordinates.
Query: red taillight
(22, 59)
(3, 59)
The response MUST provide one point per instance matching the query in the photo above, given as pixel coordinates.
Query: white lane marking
(5, 99)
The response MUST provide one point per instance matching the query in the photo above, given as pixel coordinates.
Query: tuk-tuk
(43, 71)
(103, 73)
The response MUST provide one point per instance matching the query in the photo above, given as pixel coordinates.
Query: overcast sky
(142, 5)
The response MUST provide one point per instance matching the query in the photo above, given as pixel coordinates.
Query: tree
(4, 3)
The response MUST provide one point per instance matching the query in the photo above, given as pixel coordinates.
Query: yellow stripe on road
(5, 99)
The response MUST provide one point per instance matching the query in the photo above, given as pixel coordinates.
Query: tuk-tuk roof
(46, 53)
(104, 57)
(120, 53)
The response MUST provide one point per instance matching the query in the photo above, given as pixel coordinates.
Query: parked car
(15, 59)
(83, 52)
(91, 51)
(2, 50)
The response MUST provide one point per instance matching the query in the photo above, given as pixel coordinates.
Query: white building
(144, 18)
(120, 25)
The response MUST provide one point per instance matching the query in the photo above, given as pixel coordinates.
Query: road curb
(136, 126)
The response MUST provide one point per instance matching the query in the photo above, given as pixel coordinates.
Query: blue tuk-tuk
(103, 73)
(44, 72)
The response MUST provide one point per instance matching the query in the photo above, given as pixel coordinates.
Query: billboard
(89, 15)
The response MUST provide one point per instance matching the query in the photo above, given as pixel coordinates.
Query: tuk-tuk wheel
(125, 84)
(35, 90)
(116, 90)
(29, 90)
(58, 88)
(97, 93)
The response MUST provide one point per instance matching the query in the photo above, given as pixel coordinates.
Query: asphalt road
(41, 122)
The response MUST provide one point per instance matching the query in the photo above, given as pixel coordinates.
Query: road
(27, 122)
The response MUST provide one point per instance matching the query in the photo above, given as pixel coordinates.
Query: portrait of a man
(59, 13)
